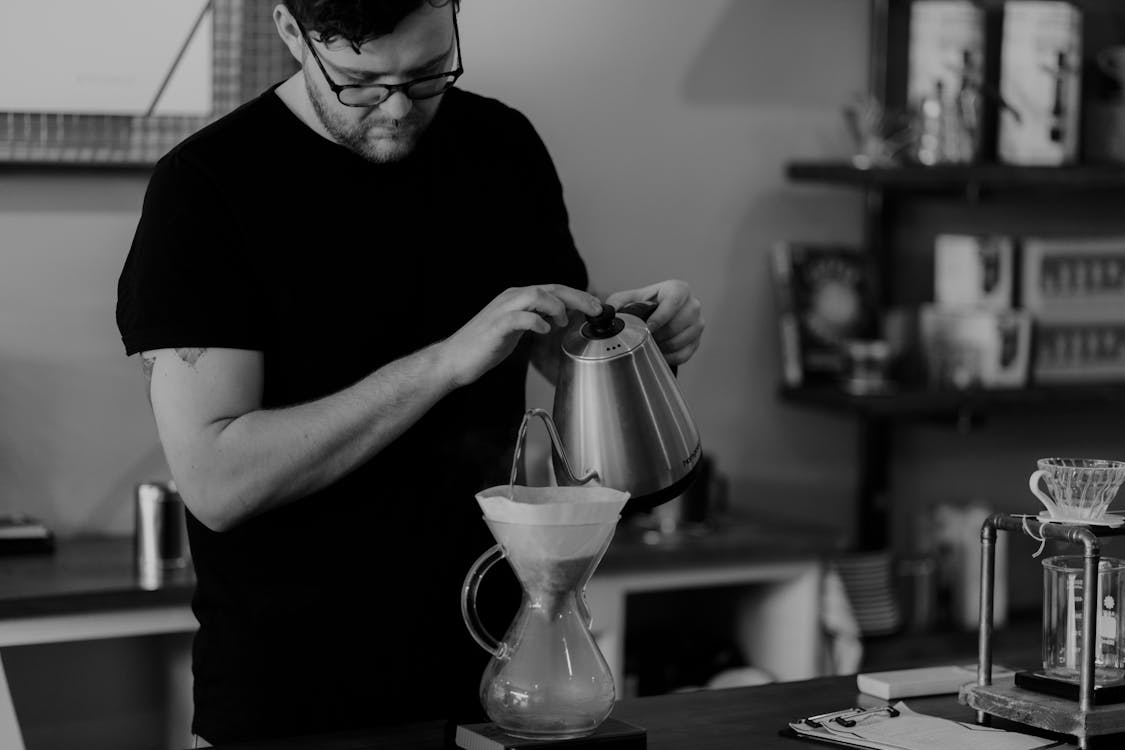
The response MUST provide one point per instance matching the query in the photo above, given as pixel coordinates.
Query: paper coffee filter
(535, 545)
(551, 506)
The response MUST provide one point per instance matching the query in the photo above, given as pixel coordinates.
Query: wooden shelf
(906, 403)
(961, 177)
(75, 168)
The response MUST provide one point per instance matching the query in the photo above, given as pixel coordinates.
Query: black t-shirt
(342, 609)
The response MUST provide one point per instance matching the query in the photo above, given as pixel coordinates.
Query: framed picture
(826, 297)
(91, 92)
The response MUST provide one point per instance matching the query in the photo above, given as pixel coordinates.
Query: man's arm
(232, 459)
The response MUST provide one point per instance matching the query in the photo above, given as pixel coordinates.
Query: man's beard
(390, 147)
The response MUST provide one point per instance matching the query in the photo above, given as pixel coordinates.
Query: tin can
(160, 532)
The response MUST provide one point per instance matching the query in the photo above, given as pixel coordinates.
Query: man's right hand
(493, 333)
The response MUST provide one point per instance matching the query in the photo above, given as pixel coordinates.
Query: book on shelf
(825, 296)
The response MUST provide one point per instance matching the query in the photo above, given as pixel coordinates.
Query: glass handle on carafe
(469, 602)
(584, 609)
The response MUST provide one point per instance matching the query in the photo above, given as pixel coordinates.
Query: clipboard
(899, 728)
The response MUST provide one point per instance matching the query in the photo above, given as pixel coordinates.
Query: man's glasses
(374, 94)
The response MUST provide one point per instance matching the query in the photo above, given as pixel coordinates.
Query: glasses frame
(388, 88)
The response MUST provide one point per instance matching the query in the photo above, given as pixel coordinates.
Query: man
(336, 291)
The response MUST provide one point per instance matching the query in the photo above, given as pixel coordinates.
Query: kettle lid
(605, 335)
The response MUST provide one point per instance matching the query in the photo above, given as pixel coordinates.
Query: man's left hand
(677, 321)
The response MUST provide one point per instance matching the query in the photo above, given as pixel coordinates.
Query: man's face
(422, 44)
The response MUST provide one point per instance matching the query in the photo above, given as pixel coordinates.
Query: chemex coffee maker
(621, 436)
(1080, 687)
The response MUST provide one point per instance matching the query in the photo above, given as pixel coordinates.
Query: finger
(539, 300)
(691, 314)
(575, 299)
(644, 294)
(682, 340)
(551, 306)
(671, 298)
(522, 320)
(680, 356)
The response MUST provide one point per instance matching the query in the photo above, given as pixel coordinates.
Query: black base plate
(1039, 682)
(611, 735)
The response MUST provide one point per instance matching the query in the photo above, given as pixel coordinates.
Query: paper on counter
(910, 730)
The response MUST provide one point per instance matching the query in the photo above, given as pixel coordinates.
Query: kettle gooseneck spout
(571, 478)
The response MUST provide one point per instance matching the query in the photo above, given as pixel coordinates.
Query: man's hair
(355, 21)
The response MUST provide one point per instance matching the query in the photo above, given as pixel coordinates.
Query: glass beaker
(1063, 595)
(546, 679)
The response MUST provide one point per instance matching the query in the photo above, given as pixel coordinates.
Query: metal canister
(160, 532)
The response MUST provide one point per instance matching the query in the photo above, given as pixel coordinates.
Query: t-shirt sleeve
(555, 258)
(188, 280)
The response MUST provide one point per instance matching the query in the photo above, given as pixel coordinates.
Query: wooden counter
(772, 569)
(735, 719)
(96, 574)
(88, 590)
(84, 575)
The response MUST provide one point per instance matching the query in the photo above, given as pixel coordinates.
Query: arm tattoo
(147, 363)
(190, 356)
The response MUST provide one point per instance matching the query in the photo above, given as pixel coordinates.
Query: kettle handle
(643, 310)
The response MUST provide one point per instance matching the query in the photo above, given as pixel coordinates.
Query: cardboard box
(1074, 279)
(1079, 352)
(1040, 82)
(945, 70)
(967, 348)
(974, 271)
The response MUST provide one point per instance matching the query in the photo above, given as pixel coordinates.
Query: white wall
(75, 429)
(670, 122)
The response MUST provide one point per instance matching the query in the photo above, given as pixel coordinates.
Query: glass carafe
(546, 679)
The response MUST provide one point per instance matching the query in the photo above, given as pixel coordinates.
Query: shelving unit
(963, 178)
(907, 404)
(896, 202)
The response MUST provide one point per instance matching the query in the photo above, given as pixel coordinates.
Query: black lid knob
(604, 325)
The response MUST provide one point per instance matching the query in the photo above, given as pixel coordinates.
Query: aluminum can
(160, 532)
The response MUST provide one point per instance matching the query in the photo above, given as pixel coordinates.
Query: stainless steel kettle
(619, 417)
